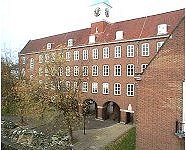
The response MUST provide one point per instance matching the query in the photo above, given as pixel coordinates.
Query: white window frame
(76, 55)
(117, 52)
(92, 39)
(162, 29)
(67, 84)
(159, 45)
(85, 87)
(70, 42)
(67, 56)
(105, 88)
(67, 69)
(60, 71)
(85, 70)
(119, 35)
(75, 86)
(23, 72)
(117, 70)
(105, 70)
(145, 49)
(95, 53)
(94, 87)
(23, 60)
(41, 58)
(130, 90)
(76, 70)
(85, 54)
(47, 57)
(49, 45)
(105, 52)
(130, 70)
(52, 58)
(143, 67)
(31, 63)
(130, 50)
(40, 71)
(95, 70)
(46, 71)
(117, 89)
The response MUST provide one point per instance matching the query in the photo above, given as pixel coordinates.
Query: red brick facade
(160, 96)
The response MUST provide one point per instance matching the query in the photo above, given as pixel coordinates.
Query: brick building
(160, 96)
(110, 53)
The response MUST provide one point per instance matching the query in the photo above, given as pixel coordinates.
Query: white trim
(101, 107)
(123, 110)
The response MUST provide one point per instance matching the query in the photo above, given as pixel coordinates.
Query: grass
(125, 142)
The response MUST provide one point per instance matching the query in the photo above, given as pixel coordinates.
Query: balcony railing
(180, 132)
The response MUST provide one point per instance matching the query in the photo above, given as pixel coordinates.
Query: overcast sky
(22, 20)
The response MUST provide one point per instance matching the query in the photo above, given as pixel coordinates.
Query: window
(76, 55)
(76, 70)
(70, 42)
(117, 89)
(162, 29)
(31, 63)
(143, 67)
(49, 45)
(85, 87)
(85, 70)
(92, 39)
(130, 70)
(145, 49)
(46, 71)
(130, 50)
(31, 76)
(52, 57)
(95, 53)
(105, 70)
(41, 58)
(75, 86)
(105, 52)
(60, 71)
(67, 56)
(117, 52)
(117, 70)
(105, 88)
(119, 35)
(94, 87)
(40, 71)
(159, 44)
(23, 72)
(85, 54)
(47, 57)
(67, 71)
(23, 60)
(95, 70)
(130, 89)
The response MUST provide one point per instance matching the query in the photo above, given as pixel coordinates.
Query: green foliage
(125, 142)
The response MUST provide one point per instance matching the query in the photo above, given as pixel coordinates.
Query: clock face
(106, 12)
(97, 11)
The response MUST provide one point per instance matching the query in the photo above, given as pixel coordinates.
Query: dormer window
(119, 35)
(162, 29)
(49, 45)
(92, 39)
(70, 42)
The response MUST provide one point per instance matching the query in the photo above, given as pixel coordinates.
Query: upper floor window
(52, 57)
(105, 88)
(49, 45)
(46, 71)
(23, 72)
(47, 57)
(31, 63)
(85, 87)
(130, 50)
(145, 50)
(117, 70)
(130, 89)
(162, 29)
(67, 56)
(117, 89)
(75, 86)
(94, 87)
(70, 42)
(85, 70)
(76, 55)
(40, 71)
(95, 53)
(117, 52)
(60, 71)
(105, 52)
(95, 70)
(67, 71)
(143, 67)
(85, 54)
(92, 39)
(159, 44)
(76, 70)
(68, 85)
(119, 35)
(130, 70)
(41, 58)
(105, 70)
(23, 60)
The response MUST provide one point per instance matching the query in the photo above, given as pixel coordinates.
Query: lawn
(125, 142)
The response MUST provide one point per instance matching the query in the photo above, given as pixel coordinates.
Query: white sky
(22, 20)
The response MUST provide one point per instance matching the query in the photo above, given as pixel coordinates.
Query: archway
(91, 107)
(111, 110)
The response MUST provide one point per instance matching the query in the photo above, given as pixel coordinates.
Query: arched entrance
(111, 110)
(91, 107)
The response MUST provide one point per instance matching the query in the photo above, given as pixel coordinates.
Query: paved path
(97, 139)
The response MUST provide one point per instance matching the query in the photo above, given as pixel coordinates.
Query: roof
(144, 27)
